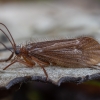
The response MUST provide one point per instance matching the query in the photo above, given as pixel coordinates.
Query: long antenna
(6, 47)
(13, 44)
(8, 38)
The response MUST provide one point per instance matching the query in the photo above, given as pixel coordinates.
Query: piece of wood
(19, 73)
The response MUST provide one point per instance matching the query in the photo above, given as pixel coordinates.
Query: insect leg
(39, 61)
(44, 71)
(95, 67)
(10, 64)
(42, 64)
(30, 64)
(25, 63)
(29, 61)
(7, 59)
(21, 61)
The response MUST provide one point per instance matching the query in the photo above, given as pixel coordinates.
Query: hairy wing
(81, 52)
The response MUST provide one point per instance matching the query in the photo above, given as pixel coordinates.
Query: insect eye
(17, 52)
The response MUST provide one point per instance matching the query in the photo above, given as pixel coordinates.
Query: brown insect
(81, 52)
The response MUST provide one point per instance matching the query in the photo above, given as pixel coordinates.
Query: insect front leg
(21, 61)
(7, 59)
(10, 64)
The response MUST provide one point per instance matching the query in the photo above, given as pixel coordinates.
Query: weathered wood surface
(19, 73)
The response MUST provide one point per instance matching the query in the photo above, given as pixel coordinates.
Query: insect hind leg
(42, 65)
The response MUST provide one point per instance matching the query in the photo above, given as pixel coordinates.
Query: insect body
(81, 52)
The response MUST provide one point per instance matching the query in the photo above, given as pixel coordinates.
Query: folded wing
(80, 52)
